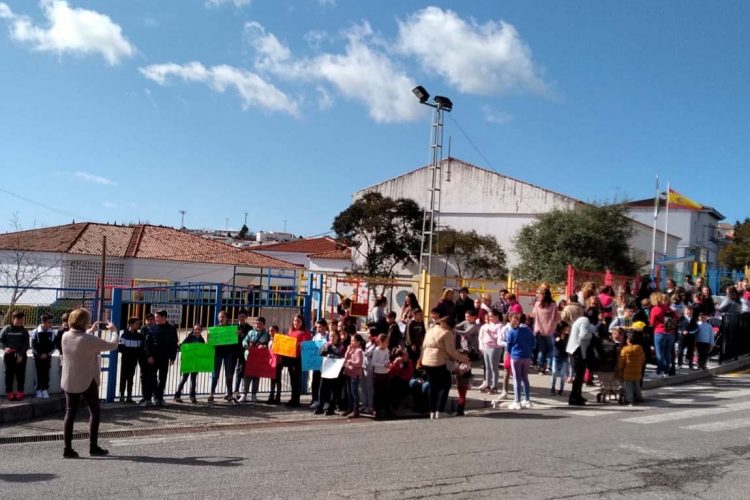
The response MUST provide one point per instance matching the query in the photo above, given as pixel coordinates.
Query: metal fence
(734, 339)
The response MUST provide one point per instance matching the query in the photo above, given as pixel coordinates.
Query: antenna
(245, 218)
(182, 218)
(450, 160)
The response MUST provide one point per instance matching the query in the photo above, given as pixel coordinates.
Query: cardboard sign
(196, 358)
(222, 335)
(261, 363)
(331, 368)
(311, 358)
(284, 345)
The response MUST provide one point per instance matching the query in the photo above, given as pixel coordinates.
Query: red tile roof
(302, 245)
(140, 241)
(341, 254)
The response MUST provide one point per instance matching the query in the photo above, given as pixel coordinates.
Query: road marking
(681, 415)
(677, 401)
(727, 425)
(648, 451)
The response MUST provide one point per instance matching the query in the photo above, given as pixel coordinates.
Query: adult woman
(708, 305)
(546, 317)
(80, 377)
(439, 345)
(664, 322)
(410, 304)
(447, 307)
(731, 303)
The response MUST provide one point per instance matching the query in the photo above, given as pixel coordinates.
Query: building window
(85, 273)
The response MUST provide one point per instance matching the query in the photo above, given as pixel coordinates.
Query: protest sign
(284, 345)
(196, 358)
(261, 363)
(222, 335)
(311, 358)
(331, 367)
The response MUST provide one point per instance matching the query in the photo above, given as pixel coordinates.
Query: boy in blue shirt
(704, 339)
(520, 344)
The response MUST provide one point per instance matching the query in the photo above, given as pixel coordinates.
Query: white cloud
(485, 59)
(362, 73)
(87, 177)
(325, 100)
(325, 3)
(253, 90)
(69, 29)
(109, 204)
(495, 116)
(218, 3)
(315, 38)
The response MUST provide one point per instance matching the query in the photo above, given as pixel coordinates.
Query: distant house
(494, 204)
(698, 230)
(134, 252)
(315, 254)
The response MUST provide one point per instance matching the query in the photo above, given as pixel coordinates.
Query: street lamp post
(431, 214)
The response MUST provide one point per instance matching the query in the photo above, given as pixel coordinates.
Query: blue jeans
(664, 346)
(559, 369)
(545, 344)
(352, 388)
(491, 366)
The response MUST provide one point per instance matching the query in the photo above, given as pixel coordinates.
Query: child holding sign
(329, 388)
(275, 396)
(194, 337)
(257, 338)
(293, 362)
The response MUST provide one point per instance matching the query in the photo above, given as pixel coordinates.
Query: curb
(24, 412)
(742, 362)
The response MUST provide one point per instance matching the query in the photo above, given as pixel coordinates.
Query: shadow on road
(199, 461)
(513, 415)
(26, 478)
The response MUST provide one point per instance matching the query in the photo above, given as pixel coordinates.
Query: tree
(20, 269)
(590, 237)
(473, 255)
(736, 255)
(243, 232)
(384, 231)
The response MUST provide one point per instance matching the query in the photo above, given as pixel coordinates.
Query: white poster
(331, 368)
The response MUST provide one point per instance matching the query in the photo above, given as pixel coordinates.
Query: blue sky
(125, 111)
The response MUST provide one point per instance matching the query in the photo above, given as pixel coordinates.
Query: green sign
(222, 335)
(196, 358)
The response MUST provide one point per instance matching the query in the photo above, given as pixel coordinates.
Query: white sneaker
(526, 403)
(515, 405)
(503, 395)
(39, 395)
(45, 394)
(243, 399)
(437, 415)
(483, 386)
(433, 415)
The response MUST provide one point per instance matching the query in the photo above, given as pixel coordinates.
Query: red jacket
(300, 336)
(403, 370)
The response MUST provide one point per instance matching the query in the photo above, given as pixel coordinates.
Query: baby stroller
(610, 387)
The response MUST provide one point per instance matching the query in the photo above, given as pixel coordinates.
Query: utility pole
(245, 218)
(182, 218)
(102, 277)
(227, 224)
(285, 225)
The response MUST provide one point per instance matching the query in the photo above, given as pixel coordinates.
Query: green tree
(736, 255)
(473, 255)
(243, 232)
(590, 237)
(386, 232)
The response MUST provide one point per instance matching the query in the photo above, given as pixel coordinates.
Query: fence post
(116, 319)
(217, 302)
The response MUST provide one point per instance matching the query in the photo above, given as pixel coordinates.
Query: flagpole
(666, 221)
(653, 237)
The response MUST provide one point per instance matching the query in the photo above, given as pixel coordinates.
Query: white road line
(727, 425)
(648, 451)
(677, 401)
(683, 414)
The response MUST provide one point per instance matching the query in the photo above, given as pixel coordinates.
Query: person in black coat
(161, 351)
(132, 354)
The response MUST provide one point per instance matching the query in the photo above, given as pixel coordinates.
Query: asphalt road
(689, 441)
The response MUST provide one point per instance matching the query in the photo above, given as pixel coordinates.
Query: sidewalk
(34, 420)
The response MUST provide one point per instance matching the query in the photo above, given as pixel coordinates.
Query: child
(42, 345)
(368, 382)
(704, 339)
(275, 396)
(520, 345)
(259, 338)
(394, 331)
(462, 372)
(559, 356)
(14, 339)
(415, 331)
(629, 366)
(321, 334)
(132, 355)
(399, 375)
(353, 361)
(330, 388)
(194, 337)
(380, 364)
(488, 345)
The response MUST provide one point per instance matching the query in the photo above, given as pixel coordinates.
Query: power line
(33, 202)
(476, 148)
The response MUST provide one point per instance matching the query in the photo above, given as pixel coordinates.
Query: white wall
(52, 279)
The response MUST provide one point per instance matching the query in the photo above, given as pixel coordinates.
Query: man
(243, 328)
(394, 331)
(463, 304)
(146, 387)
(42, 345)
(14, 339)
(502, 303)
(161, 351)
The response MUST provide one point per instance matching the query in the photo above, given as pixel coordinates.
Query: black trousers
(294, 365)
(14, 371)
(42, 372)
(381, 399)
(193, 378)
(157, 378)
(440, 385)
(704, 349)
(578, 366)
(687, 343)
(276, 383)
(316, 386)
(330, 389)
(72, 402)
(127, 372)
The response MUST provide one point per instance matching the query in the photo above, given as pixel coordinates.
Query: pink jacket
(353, 361)
(546, 318)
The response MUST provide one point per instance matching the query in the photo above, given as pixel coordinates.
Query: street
(687, 441)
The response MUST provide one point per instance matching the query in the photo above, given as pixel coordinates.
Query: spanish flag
(676, 199)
